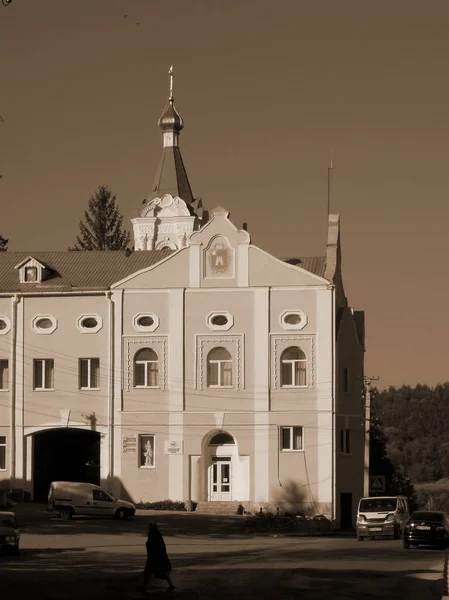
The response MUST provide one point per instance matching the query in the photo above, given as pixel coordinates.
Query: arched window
(221, 438)
(146, 368)
(293, 368)
(219, 368)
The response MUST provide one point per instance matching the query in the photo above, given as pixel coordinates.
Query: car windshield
(7, 522)
(427, 516)
(377, 504)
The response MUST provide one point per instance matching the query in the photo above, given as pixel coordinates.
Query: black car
(427, 528)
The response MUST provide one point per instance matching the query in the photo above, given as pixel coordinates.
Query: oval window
(145, 321)
(293, 319)
(44, 323)
(219, 320)
(3, 324)
(89, 322)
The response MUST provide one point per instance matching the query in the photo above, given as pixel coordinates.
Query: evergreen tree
(3, 244)
(102, 227)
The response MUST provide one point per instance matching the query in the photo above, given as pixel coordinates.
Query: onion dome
(170, 119)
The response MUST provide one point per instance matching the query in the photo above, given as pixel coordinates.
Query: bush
(433, 496)
(162, 505)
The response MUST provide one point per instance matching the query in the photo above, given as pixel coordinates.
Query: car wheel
(66, 513)
(121, 514)
(16, 551)
(360, 538)
(405, 545)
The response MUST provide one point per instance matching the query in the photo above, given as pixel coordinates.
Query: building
(197, 367)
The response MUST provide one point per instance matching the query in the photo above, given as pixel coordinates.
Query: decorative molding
(278, 344)
(150, 328)
(296, 312)
(42, 330)
(233, 343)
(223, 313)
(95, 329)
(5, 325)
(219, 258)
(132, 345)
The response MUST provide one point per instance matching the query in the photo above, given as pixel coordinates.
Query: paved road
(99, 559)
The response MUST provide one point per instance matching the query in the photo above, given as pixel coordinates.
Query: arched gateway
(64, 454)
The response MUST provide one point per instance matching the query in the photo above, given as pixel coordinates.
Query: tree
(102, 229)
(3, 244)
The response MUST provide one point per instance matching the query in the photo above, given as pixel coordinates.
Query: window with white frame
(219, 368)
(293, 368)
(146, 451)
(146, 369)
(4, 374)
(2, 453)
(291, 438)
(345, 439)
(30, 274)
(89, 373)
(43, 373)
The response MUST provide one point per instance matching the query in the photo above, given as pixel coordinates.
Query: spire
(171, 177)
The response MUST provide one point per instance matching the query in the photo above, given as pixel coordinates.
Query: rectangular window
(146, 451)
(30, 274)
(43, 373)
(345, 441)
(2, 453)
(89, 373)
(291, 438)
(4, 374)
(346, 380)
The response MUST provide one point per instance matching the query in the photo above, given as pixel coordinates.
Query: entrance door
(345, 511)
(220, 480)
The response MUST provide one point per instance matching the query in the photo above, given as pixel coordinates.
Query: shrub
(162, 505)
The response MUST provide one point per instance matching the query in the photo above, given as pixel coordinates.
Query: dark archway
(65, 455)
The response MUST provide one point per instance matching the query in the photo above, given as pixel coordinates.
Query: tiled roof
(313, 264)
(72, 270)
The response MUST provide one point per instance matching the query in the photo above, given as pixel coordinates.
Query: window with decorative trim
(2, 453)
(89, 323)
(44, 324)
(345, 441)
(43, 374)
(89, 373)
(291, 438)
(4, 375)
(146, 369)
(219, 368)
(293, 368)
(146, 451)
(5, 325)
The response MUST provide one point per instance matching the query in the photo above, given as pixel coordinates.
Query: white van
(68, 498)
(382, 516)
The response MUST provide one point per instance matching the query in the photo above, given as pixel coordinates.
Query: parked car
(430, 528)
(9, 532)
(381, 516)
(68, 498)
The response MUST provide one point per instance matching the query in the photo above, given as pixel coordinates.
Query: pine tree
(3, 244)
(102, 227)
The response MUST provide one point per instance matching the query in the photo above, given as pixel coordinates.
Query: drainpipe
(108, 295)
(12, 384)
(334, 419)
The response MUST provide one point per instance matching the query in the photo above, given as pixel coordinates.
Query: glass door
(220, 478)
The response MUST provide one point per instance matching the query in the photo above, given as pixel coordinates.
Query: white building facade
(197, 367)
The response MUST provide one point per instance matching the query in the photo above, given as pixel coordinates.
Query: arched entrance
(64, 455)
(221, 450)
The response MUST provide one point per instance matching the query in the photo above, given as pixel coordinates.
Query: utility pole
(367, 424)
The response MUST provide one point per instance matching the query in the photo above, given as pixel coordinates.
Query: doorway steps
(218, 508)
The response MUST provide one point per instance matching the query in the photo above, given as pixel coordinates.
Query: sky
(268, 92)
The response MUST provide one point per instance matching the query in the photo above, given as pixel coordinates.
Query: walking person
(158, 564)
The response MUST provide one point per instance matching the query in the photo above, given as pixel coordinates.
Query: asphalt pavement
(212, 558)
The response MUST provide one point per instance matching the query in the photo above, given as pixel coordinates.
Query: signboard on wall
(129, 444)
(173, 447)
(377, 484)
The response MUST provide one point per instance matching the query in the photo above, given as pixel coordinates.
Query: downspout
(334, 418)
(111, 340)
(12, 384)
